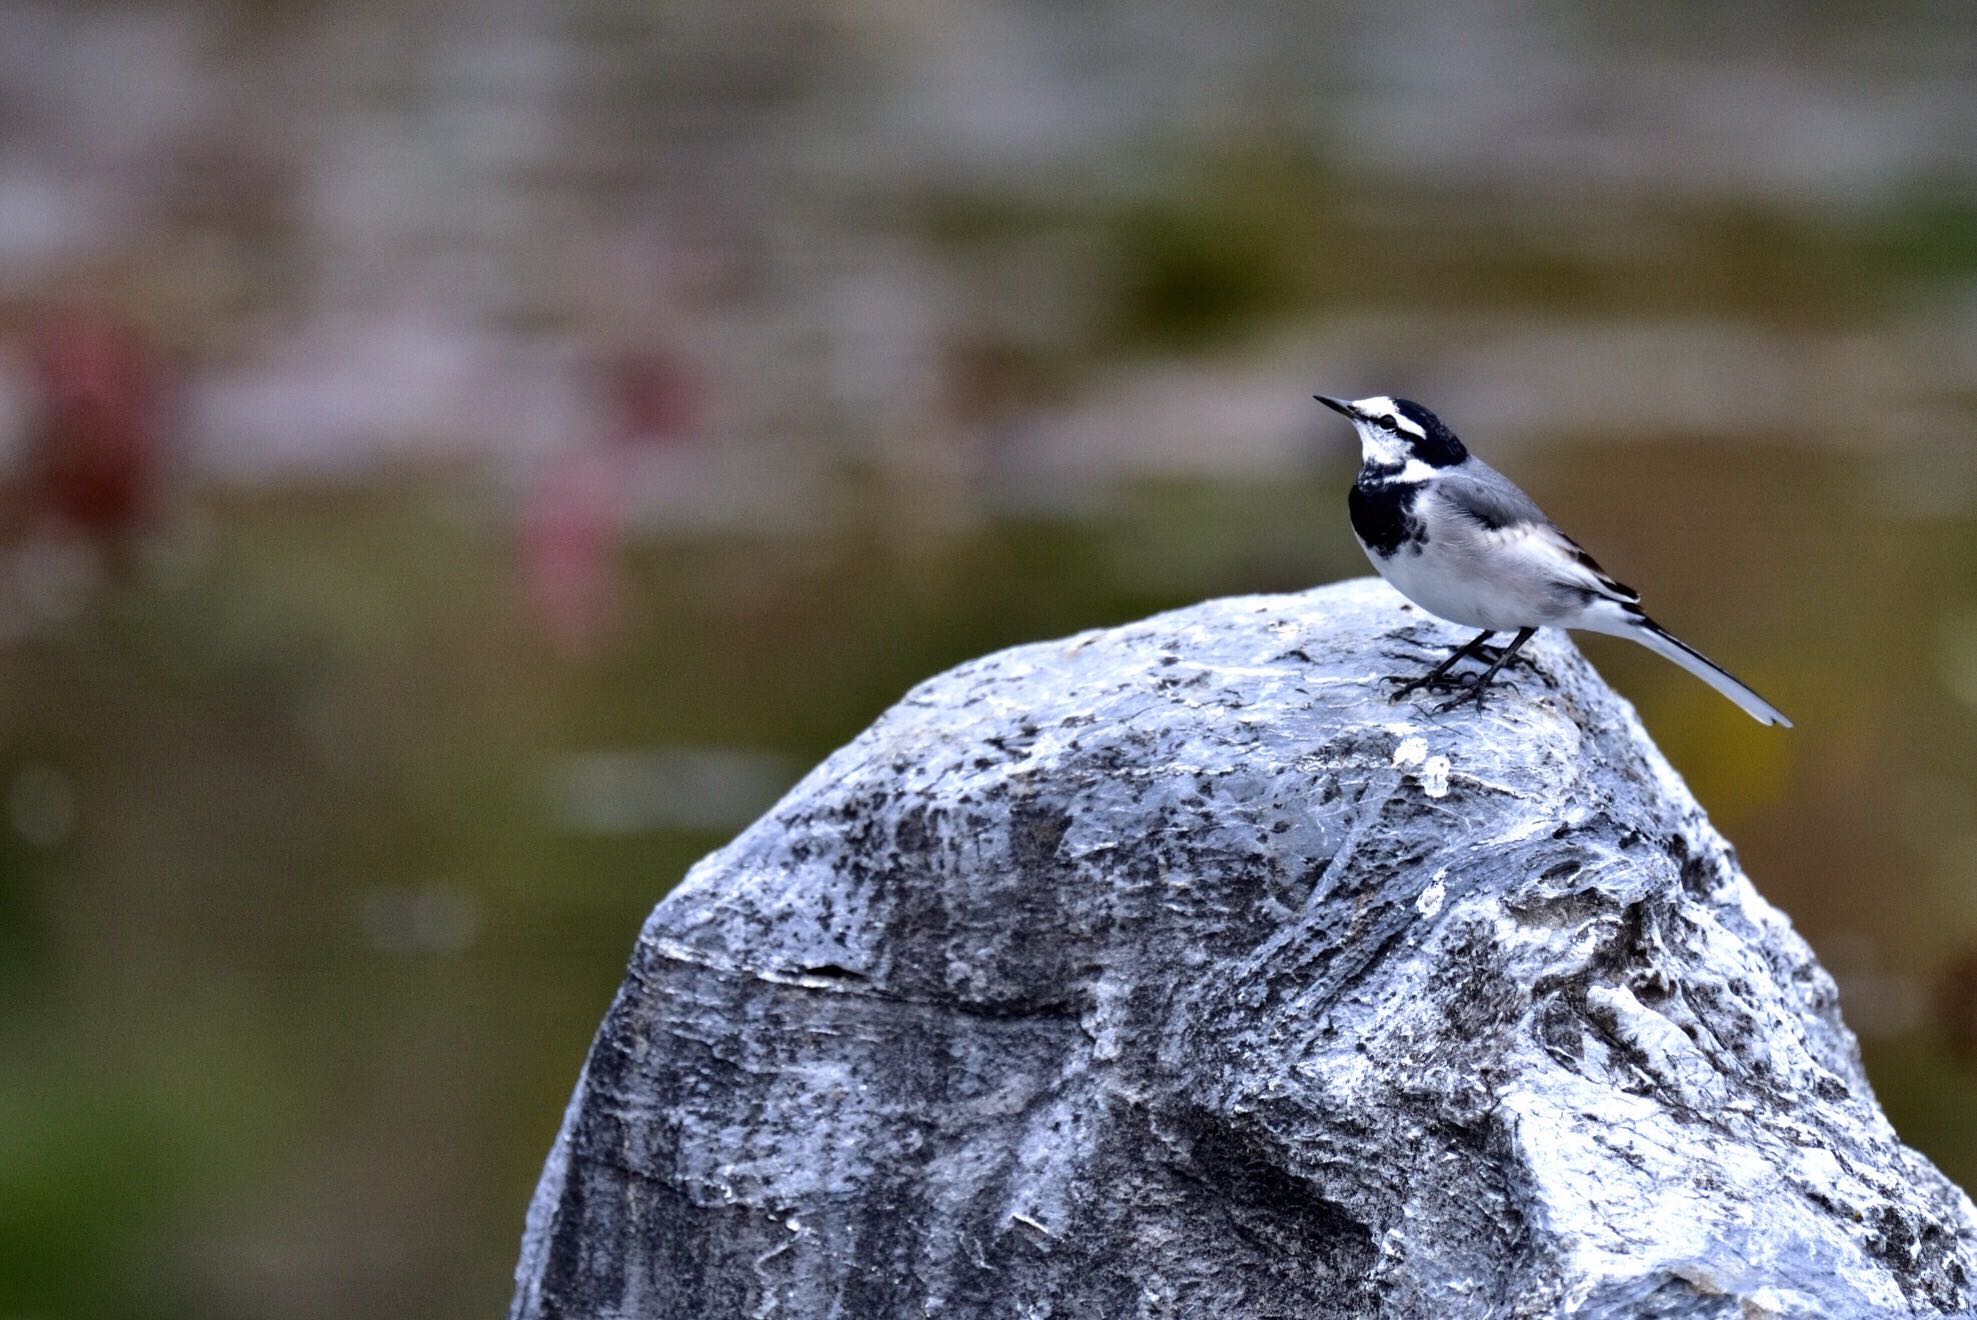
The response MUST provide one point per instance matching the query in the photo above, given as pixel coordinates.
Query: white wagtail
(1454, 536)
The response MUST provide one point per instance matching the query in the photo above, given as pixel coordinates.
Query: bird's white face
(1386, 435)
(1398, 433)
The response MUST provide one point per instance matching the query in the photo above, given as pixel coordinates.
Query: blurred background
(462, 460)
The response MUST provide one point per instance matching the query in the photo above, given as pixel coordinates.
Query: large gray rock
(1172, 971)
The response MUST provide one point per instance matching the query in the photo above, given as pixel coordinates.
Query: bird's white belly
(1449, 579)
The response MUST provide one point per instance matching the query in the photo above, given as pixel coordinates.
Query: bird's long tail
(1630, 623)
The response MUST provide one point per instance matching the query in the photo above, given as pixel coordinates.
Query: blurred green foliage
(1219, 247)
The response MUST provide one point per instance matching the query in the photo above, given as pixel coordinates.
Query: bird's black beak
(1336, 405)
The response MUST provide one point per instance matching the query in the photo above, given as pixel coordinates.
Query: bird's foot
(1433, 682)
(1453, 679)
(1473, 692)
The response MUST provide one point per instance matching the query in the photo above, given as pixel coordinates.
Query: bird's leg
(1434, 676)
(1475, 691)
(1491, 654)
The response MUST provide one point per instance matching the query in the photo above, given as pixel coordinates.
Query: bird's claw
(1468, 689)
(1438, 683)
(1474, 694)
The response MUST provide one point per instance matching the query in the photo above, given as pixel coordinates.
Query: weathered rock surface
(1171, 971)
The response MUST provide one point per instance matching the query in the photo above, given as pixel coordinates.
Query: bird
(1459, 539)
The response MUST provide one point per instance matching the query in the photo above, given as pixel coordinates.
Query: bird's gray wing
(1486, 497)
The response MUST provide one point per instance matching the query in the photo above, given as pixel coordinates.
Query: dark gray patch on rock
(1170, 971)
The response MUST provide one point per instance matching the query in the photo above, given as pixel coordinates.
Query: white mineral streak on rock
(1431, 772)
(1165, 972)
(1434, 776)
(1432, 897)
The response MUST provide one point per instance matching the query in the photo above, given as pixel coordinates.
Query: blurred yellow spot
(1746, 766)
(1957, 646)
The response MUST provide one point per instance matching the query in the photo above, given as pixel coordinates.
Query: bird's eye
(1389, 424)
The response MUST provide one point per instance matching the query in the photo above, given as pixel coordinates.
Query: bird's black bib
(1383, 515)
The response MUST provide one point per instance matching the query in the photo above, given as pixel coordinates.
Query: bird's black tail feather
(1654, 637)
